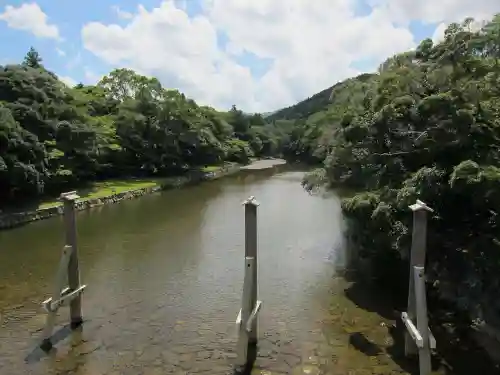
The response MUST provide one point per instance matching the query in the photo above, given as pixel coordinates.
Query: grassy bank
(111, 191)
(101, 189)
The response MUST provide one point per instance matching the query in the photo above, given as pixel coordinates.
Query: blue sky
(70, 58)
(70, 17)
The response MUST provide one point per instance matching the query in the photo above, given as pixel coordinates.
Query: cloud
(122, 14)
(438, 35)
(307, 45)
(90, 77)
(312, 44)
(60, 52)
(447, 11)
(30, 17)
(68, 80)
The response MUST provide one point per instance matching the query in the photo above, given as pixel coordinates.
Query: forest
(425, 126)
(54, 137)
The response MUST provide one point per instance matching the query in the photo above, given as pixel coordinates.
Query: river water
(165, 274)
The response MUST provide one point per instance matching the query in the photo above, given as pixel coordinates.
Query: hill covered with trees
(54, 137)
(427, 126)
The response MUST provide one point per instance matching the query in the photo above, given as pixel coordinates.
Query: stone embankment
(14, 219)
(11, 220)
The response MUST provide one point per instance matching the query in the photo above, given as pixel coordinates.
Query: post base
(75, 323)
(246, 369)
(46, 345)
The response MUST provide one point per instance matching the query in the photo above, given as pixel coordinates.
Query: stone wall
(11, 220)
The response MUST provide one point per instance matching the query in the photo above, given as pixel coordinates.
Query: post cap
(251, 200)
(419, 206)
(69, 196)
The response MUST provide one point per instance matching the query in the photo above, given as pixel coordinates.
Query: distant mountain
(266, 114)
(316, 103)
(263, 114)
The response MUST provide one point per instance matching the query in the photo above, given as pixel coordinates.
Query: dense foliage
(53, 136)
(427, 126)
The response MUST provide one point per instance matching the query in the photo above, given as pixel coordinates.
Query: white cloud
(90, 77)
(438, 35)
(68, 80)
(310, 44)
(121, 13)
(403, 11)
(30, 17)
(60, 52)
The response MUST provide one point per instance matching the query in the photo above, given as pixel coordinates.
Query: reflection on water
(164, 277)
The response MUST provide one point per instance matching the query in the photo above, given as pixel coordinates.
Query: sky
(260, 55)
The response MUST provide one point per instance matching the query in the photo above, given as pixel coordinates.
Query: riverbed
(165, 274)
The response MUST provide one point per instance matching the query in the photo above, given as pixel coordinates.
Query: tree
(33, 59)
(124, 84)
(23, 167)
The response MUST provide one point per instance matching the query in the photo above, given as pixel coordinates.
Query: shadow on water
(252, 351)
(61, 334)
(456, 353)
(362, 344)
(457, 348)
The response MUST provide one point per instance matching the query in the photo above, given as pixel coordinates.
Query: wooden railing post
(68, 268)
(419, 338)
(247, 320)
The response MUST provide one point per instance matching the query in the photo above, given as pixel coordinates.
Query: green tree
(23, 167)
(33, 59)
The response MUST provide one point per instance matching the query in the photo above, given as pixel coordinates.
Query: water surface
(165, 274)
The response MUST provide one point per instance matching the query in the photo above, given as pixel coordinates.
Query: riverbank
(380, 332)
(119, 191)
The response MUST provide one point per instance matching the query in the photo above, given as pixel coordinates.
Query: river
(165, 274)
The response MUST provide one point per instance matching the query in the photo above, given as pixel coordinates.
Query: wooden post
(247, 320)
(424, 354)
(68, 268)
(251, 251)
(75, 307)
(418, 338)
(417, 258)
(246, 310)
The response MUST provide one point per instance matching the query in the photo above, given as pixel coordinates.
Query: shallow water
(165, 274)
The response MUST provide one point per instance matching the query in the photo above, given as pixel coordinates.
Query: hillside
(318, 102)
(309, 124)
(304, 108)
